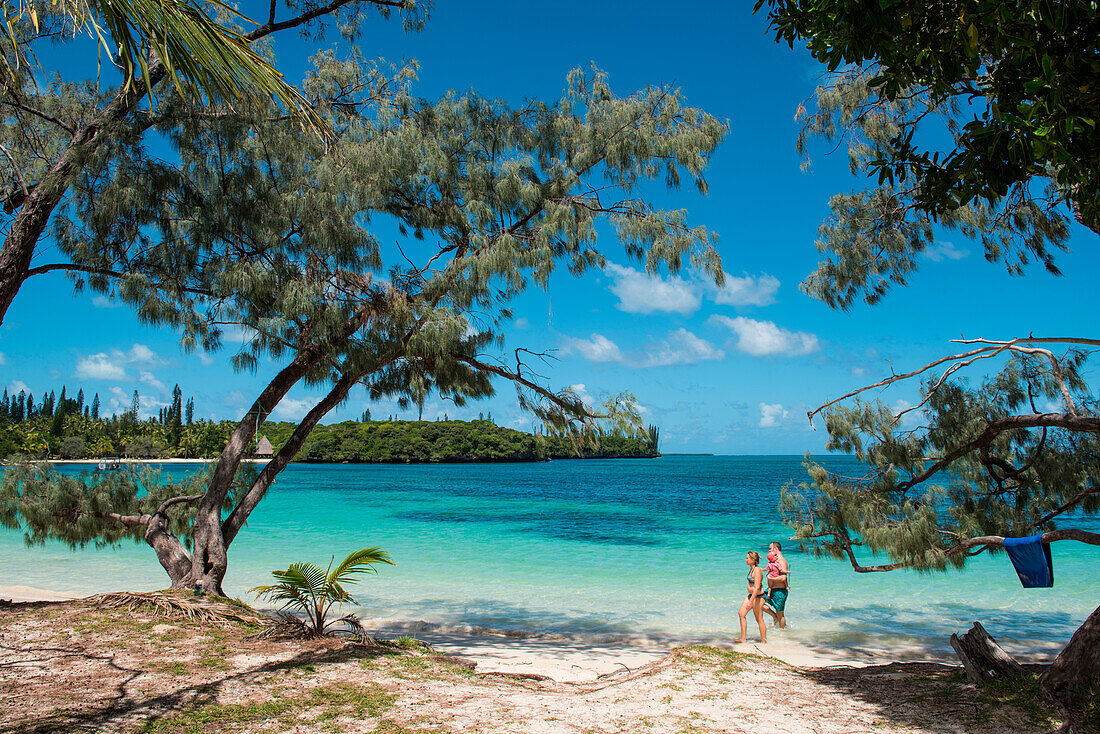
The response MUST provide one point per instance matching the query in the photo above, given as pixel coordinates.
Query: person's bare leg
(781, 621)
(758, 612)
(775, 617)
(745, 606)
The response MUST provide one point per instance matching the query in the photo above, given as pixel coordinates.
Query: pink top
(774, 571)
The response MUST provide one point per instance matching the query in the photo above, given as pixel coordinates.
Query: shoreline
(580, 657)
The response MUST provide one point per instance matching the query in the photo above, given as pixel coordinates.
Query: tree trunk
(1073, 679)
(170, 551)
(982, 657)
(256, 492)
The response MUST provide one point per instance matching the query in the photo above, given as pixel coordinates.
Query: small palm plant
(307, 588)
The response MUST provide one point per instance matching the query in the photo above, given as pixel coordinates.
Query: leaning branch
(991, 348)
(1076, 423)
(981, 542)
(518, 378)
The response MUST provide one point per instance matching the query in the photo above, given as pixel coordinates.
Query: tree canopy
(1025, 74)
(1013, 90)
(285, 239)
(52, 128)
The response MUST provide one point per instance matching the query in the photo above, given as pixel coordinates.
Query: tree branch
(91, 270)
(1080, 424)
(272, 27)
(289, 450)
(983, 542)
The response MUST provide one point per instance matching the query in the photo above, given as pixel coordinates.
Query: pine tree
(44, 153)
(189, 419)
(95, 407)
(80, 401)
(175, 418)
(519, 206)
(1017, 93)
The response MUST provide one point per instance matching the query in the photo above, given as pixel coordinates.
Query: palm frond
(197, 52)
(314, 591)
(361, 561)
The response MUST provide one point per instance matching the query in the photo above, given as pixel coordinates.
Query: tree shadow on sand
(932, 697)
(127, 707)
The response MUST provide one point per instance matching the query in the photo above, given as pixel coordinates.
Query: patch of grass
(218, 717)
(405, 642)
(336, 700)
(724, 662)
(214, 662)
(174, 668)
(1023, 694)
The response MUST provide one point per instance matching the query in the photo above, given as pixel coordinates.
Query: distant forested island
(57, 426)
(401, 441)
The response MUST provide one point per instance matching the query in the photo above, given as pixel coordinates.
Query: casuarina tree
(1013, 91)
(55, 132)
(386, 256)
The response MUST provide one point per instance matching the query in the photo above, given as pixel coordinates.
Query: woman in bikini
(755, 599)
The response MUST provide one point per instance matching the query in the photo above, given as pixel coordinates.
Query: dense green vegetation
(57, 426)
(448, 441)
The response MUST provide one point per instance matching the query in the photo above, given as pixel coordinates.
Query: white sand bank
(584, 658)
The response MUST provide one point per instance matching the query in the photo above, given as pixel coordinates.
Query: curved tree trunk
(1073, 679)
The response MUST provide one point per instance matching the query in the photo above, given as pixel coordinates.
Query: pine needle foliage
(917, 509)
(273, 234)
(386, 257)
(100, 509)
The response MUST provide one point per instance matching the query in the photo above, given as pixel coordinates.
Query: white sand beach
(586, 658)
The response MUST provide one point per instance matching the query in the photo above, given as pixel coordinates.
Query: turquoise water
(648, 547)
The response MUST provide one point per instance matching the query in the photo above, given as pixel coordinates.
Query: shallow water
(647, 547)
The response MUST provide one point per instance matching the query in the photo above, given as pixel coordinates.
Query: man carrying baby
(776, 598)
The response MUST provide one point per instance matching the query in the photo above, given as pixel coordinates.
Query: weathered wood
(982, 657)
(1073, 680)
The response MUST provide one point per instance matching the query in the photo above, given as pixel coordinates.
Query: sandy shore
(74, 665)
(586, 658)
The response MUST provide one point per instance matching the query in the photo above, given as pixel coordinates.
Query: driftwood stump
(982, 657)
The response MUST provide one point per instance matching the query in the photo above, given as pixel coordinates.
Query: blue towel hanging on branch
(1031, 559)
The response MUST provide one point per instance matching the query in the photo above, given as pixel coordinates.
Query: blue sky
(731, 371)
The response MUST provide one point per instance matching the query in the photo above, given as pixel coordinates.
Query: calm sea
(647, 547)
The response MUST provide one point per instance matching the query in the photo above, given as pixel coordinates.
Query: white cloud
(680, 347)
(101, 366)
(911, 419)
(764, 338)
(293, 410)
(144, 355)
(522, 323)
(945, 251)
(640, 292)
(596, 349)
(16, 386)
(150, 379)
(104, 366)
(3, 359)
(102, 301)
(772, 414)
(747, 291)
(206, 359)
